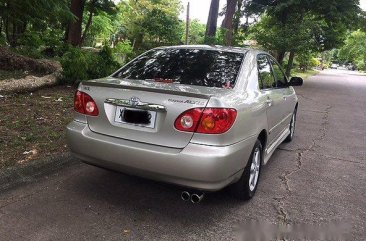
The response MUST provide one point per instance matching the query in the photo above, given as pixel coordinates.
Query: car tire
(245, 188)
(290, 136)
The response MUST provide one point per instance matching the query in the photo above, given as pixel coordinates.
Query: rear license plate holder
(137, 117)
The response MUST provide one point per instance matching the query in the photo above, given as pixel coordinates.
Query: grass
(32, 125)
(304, 75)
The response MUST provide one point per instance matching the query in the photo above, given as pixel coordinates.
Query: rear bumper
(206, 168)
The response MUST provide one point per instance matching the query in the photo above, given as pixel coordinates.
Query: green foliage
(123, 51)
(81, 65)
(196, 32)
(75, 66)
(21, 16)
(102, 65)
(306, 60)
(302, 26)
(354, 49)
(151, 23)
(273, 36)
(100, 30)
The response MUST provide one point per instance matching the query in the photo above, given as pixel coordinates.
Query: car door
(288, 95)
(273, 97)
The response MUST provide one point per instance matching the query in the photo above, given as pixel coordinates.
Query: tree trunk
(280, 57)
(238, 16)
(227, 24)
(74, 31)
(14, 30)
(212, 21)
(90, 19)
(1, 25)
(290, 63)
(138, 41)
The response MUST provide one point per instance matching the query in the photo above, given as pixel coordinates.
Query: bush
(314, 62)
(102, 65)
(79, 65)
(75, 66)
(123, 51)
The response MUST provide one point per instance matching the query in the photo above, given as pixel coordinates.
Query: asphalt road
(318, 179)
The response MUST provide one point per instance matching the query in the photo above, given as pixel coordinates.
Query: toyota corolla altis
(202, 117)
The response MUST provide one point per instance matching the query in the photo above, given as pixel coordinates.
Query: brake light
(206, 120)
(188, 120)
(84, 104)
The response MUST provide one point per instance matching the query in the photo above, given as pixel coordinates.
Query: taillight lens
(206, 120)
(188, 120)
(85, 104)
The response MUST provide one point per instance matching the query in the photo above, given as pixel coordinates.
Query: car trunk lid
(143, 111)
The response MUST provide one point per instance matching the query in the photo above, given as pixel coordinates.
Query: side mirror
(296, 81)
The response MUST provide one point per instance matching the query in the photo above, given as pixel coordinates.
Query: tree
(330, 21)
(105, 8)
(197, 32)
(152, 23)
(280, 38)
(74, 30)
(18, 16)
(211, 26)
(354, 49)
(75, 34)
(227, 23)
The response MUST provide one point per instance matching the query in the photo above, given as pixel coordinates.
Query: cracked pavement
(319, 178)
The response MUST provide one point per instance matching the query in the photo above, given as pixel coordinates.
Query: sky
(199, 9)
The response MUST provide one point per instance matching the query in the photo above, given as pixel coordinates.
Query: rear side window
(280, 76)
(266, 79)
(209, 68)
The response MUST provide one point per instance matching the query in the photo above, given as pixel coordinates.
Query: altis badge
(192, 102)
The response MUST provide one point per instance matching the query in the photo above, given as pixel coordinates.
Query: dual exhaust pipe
(194, 198)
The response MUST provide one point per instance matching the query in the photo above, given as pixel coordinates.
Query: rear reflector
(206, 120)
(85, 104)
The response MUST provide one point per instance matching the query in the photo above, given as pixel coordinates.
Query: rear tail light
(85, 104)
(206, 120)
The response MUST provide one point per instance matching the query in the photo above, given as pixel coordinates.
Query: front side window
(265, 76)
(279, 74)
(210, 68)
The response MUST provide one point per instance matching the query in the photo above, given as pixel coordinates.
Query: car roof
(209, 47)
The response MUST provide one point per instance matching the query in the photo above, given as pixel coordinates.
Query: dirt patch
(32, 125)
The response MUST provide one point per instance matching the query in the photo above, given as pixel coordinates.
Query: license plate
(136, 117)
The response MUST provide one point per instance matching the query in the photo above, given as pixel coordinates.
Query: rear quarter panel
(249, 103)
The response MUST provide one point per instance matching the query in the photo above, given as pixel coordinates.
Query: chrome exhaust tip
(196, 198)
(185, 196)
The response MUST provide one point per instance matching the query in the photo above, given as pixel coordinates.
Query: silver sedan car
(202, 117)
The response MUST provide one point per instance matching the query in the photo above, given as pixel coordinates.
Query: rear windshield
(209, 68)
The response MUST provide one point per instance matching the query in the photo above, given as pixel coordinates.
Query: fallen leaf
(33, 152)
